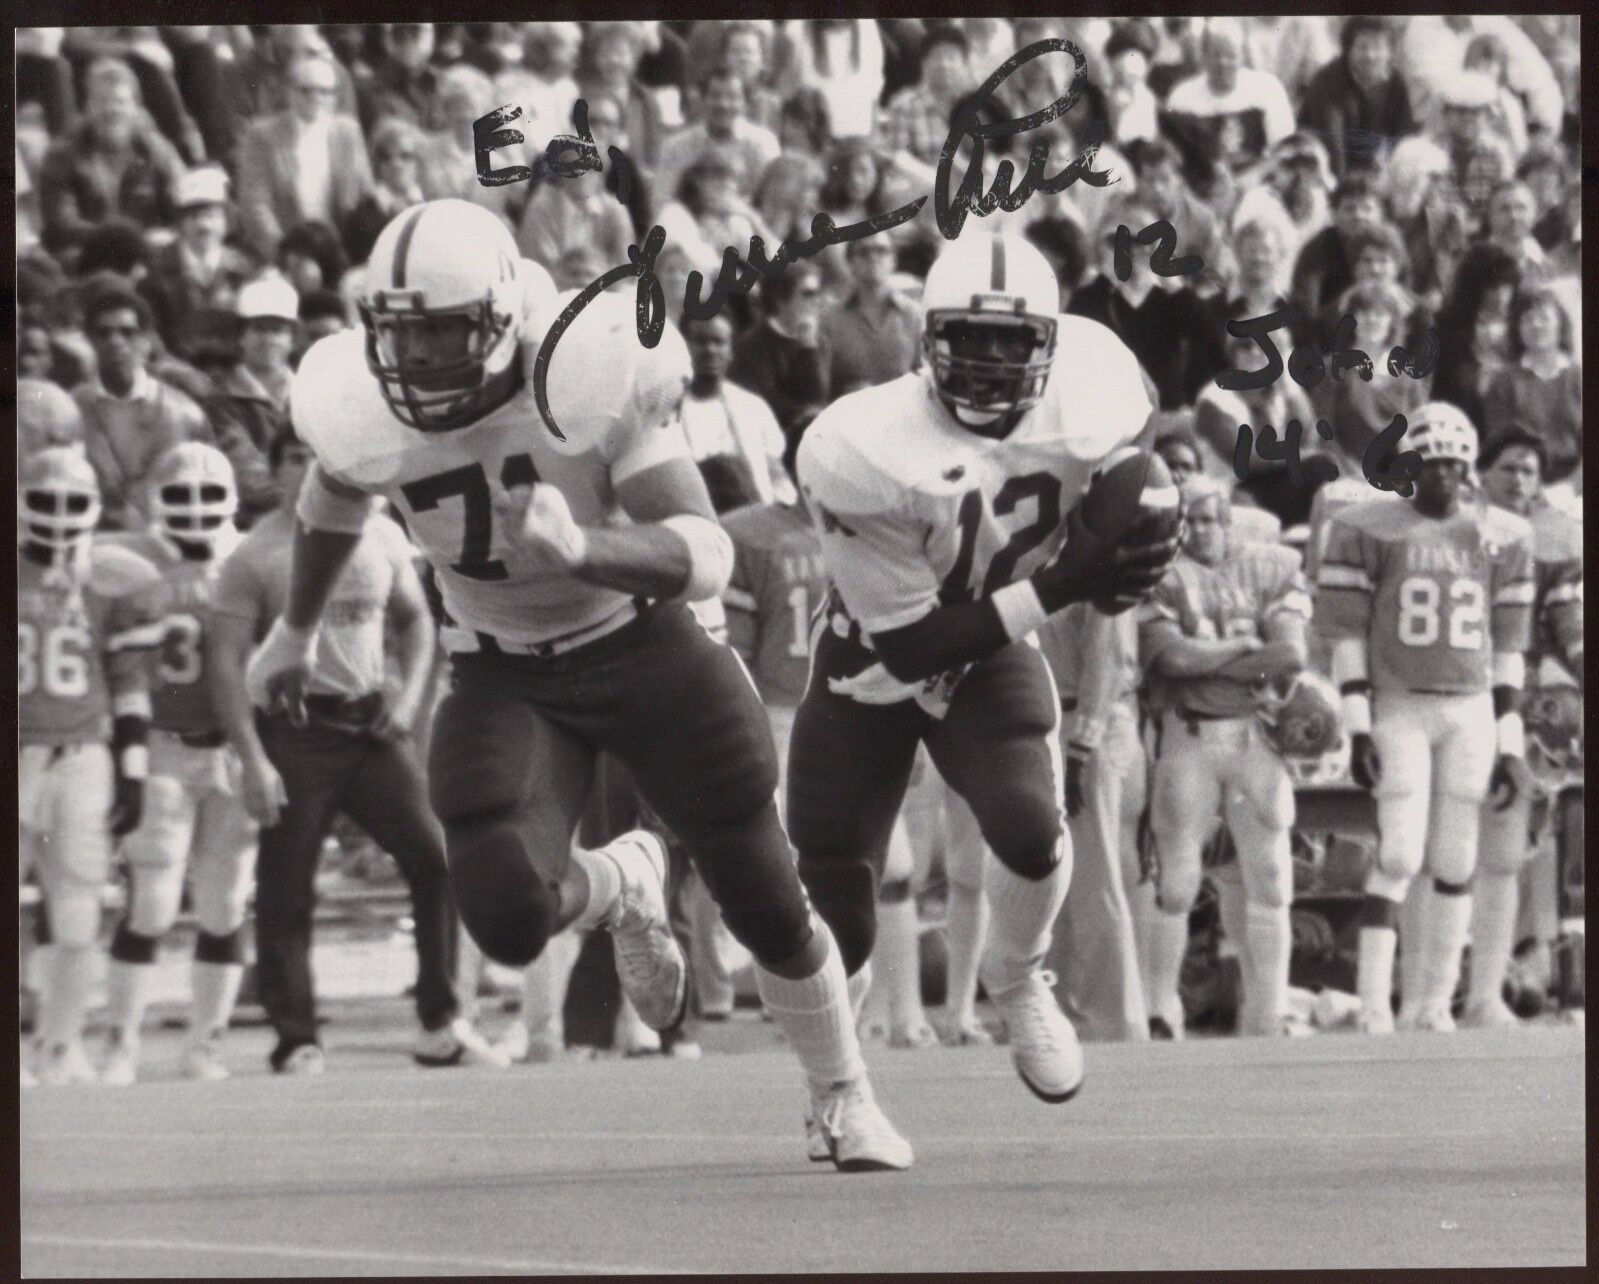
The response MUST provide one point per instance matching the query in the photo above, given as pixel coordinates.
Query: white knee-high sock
(1270, 938)
(1444, 937)
(468, 973)
(64, 996)
(965, 931)
(897, 961)
(544, 984)
(1374, 974)
(859, 986)
(814, 1013)
(216, 990)
(1493, 935)
(604, 883)
(1168, 943)
(1141, 901)
(1022, 919)
(127, 996)
(1412, 931)
(1230, 901)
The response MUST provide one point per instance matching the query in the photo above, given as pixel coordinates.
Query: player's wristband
(133, 763)
(1020, 611)
(1512, 736)
(1356, 709)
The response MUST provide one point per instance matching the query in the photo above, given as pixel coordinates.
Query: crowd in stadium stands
(195, 205)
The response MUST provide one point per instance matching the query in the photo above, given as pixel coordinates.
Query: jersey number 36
(60, 665)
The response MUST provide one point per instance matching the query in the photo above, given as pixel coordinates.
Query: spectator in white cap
(195, 277)
(250, 405)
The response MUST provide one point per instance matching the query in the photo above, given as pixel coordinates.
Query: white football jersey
(916, 511)
(610, 395)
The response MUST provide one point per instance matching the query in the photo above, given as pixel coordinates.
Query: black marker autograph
(739, 274)
(1381, 466)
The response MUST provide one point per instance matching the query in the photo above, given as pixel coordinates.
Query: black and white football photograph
(801, 644)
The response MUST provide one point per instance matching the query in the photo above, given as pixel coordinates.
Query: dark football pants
(379, 785)
(517, 736)
(849, 765)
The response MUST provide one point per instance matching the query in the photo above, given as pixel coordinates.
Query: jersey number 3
(1044, 489)
(471, 484)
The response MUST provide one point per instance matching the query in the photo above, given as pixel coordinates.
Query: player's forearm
(1200, 657)
(320, 556)
(227, 649)
(647, 561)
(946, 638)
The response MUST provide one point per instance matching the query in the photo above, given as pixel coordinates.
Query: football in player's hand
(1129, 484)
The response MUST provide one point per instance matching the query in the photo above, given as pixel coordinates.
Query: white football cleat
(1435, 1018)
(202, 1061)
(121, 1066)
(649, 961)
(1493, 1015)
(65, 1063)
(1375, 1021)
(308, 1058)
(914, 1035)
(966, 1034)
(858, 1135)
(456, 1044)
(1043, 1043)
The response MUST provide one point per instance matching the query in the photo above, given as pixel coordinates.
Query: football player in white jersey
(194, 819)
(947, 506)
(1427, 605)
(565, 565)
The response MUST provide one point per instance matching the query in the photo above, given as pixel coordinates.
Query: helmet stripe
(997, 271)
(402, 248)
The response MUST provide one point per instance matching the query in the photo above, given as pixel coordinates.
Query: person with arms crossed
(1230, 614)
(85, 616)
(342, 745)
(1427, 605)
(564, 564)
(1512, 465)
(194, 822)
(946, 501)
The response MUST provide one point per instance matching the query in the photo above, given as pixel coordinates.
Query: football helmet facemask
(1555, 749)
(1439, 430)
(59, 499)
(192, 493)
(989, 327)
(442, 308)
(1299, 715)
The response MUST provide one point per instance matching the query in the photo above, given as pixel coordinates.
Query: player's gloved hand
(127, 806)
(541, 526)
(1505, 783)
(262, 790)
(1114, 575)
(279, 673)
(1364, 764)
(1077, 756)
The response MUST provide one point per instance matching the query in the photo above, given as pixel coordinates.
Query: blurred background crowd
(1412, 173)
(195, 205)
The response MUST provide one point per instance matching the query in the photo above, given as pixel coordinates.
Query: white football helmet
(192, 493)
(59, 499)
(443, 308)
(1439, 430)
(988, 333)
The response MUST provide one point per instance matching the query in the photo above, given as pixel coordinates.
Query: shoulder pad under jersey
(115, 570)
(1096, 387)
(845, 457)
(1556, 536)
(338, 411)
(603, 384)
(1500, 525)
